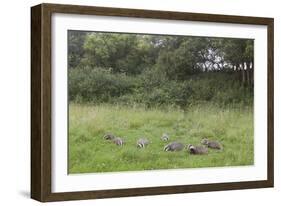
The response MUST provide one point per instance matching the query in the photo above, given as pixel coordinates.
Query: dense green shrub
(151, 88)
(97, 85)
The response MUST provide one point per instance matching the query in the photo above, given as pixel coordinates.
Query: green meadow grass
(89, 152)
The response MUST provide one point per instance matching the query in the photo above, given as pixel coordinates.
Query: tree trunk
(238, 69)
(248, 73)
(243, 74)
(252, 73)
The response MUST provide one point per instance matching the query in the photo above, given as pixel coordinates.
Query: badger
(174, 146)
(109, 136)
(165, 137)
(118, 141)
(211, 144)
(197, 150)
(142, 142)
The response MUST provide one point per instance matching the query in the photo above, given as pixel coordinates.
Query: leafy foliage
(155, 70)
(153, 89)
(97, 85)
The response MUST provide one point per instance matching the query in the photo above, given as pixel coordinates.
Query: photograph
(140, 102)
(133, 102)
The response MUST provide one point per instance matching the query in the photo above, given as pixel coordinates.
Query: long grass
(89, 152)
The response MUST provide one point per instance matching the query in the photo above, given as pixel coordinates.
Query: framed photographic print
(130, 102)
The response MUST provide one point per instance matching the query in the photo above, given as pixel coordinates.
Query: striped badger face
(190, 147)
(165, 137)
(143, 142)
(109, 137)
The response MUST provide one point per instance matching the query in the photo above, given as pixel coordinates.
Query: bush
(97, 85)
(151, 88)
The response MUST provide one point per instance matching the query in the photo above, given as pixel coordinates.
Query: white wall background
(15, 101)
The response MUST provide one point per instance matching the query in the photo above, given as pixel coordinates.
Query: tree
(179, 57)
(122, 53)
(239, 54)
(76, 41)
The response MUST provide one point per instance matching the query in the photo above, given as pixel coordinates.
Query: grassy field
(89, 152)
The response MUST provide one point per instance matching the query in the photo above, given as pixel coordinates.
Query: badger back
(118, 141)
(198, 150)
(214, 145)
(176, 146)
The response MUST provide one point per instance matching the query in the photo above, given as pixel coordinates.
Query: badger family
(173, 146)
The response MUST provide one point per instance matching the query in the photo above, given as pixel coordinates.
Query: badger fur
(174, 146)
(109, 136)
(118, 141)
(197, 150)
(211, 144)
(142, 142)
(165, 137)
